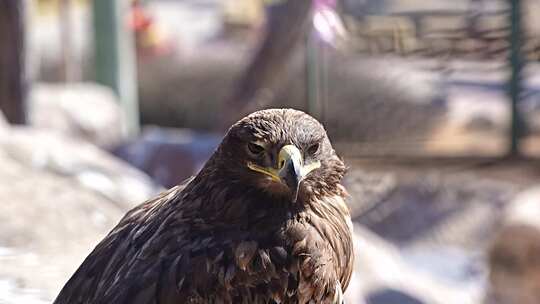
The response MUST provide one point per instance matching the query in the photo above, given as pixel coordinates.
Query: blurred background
(434, 104)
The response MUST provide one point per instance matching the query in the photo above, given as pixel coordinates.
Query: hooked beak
(291, 169)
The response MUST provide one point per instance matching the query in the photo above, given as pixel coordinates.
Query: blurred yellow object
(244, 12)
(152, 37)
(50, 7)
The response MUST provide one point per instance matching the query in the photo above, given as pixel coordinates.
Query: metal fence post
(115, 63)
(515, 83)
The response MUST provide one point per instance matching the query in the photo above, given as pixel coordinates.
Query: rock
(432, 228)
(3, 120)
(381, 101)
(368, 100)
(169, 155)
(83, 162)
(48, 224)
(60, 196)
(478, 109)
(481, 123)
(524, 209)
(382, 276)
(83, 110)
(368, 189)
(391, 296)
(514, 258)
(459, 210)
(3, 124)
(530, 109)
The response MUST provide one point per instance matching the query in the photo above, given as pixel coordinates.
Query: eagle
(264, 221)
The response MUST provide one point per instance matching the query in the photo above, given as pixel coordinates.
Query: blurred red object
(149, 39)
(140, 21)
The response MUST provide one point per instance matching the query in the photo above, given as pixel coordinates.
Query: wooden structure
(12, 57)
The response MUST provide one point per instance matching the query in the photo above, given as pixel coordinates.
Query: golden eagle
(264, 221)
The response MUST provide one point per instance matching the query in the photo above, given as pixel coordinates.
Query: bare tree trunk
(12, 85)
(287, 24)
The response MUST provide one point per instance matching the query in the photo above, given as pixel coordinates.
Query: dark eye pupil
(313, 149)
(255, 149)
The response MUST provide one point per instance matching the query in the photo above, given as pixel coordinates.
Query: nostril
(281, 164)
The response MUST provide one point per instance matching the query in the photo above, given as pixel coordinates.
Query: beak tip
(291, 169)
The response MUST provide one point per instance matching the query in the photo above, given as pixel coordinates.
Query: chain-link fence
(435, 78)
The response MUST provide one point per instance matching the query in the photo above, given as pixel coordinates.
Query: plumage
(264, 221)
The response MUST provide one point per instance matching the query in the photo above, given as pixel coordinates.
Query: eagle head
(282, 152)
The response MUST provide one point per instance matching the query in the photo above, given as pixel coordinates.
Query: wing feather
(113, 261)
(152, 256)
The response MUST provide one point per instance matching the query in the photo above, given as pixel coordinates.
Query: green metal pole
(514, 88)
(115, 63)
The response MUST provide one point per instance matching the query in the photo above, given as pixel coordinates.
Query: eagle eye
(313, 149)
(255, 149)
